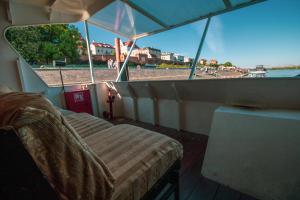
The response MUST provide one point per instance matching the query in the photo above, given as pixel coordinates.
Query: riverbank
(71, 76)
(82, 75)
(284, 68)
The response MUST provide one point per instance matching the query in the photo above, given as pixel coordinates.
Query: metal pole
(199, 49)
(118, 53)
(125, 62)
(87, 38)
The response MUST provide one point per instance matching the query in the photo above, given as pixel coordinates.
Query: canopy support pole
(192, 74)
(125, 62)
(87, 34)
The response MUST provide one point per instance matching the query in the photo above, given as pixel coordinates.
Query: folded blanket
(10, 104)
(69, 165)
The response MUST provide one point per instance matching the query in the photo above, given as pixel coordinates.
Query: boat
(130, 140)
(257, 74)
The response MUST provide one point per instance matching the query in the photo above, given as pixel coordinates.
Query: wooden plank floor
(193, 186)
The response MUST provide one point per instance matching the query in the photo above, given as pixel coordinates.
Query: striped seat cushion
(136, 157)
(86, 124)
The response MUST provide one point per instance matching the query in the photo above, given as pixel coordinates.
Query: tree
(26, 41)
(50, 52)
(228, 64)
(42, 44)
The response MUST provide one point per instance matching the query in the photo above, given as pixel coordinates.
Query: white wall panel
(197, 116)
(168, 113)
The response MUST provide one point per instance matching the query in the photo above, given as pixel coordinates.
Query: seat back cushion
(68, 164)
(20, 177)
(4, 89)
(12, 102)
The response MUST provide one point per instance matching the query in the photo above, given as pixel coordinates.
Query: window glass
(172, 12)
(50, 49)
(121, 18)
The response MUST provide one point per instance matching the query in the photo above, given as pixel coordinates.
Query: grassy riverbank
(285, 68)
(172, 66)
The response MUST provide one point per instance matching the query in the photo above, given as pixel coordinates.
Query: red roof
(129, 44)
(99, 44)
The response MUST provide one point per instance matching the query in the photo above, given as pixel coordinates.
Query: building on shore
(227, 68)
(147, 55)
(142, 58)
(179, 58)
(152, 53)
(213, 62)
(203, 62)
(168, 56)
(81, 48)
(125, 47)
(98, 48)
(187, 59)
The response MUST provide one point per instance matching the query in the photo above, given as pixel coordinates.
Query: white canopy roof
(138, 18)
(129, 18)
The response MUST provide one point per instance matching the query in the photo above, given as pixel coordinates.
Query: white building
(187, 59)
(179, 58)
(150, 52)
(125, 47)
(98, 48)
(168, 56)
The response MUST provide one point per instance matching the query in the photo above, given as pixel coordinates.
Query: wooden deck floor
(193, 186)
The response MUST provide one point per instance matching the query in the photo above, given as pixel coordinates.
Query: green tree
(50, 52)
(213, 65)
(69, 42)
(228, 64)
(26, 41)
(42, 44)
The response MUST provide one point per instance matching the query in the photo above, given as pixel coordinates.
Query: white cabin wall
(101, 97)
(56, 96)
(190, 105)
(255, 152)
(128, 108)
(197, 116)
(14, 71)
(31, 82)
(193, 116)
(18, 75)
(145, 110)
(168, 113)
(8, 58)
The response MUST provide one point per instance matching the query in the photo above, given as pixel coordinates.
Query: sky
(263, 34)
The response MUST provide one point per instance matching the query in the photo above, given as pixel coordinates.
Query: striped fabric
(136, 157)
(86, 124)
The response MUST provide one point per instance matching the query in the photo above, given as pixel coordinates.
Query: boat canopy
(129, 18)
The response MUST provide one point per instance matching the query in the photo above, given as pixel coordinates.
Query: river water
(283, 73)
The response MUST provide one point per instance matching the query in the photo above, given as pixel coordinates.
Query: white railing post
(87, 34)
(199, 50)
(125, 62)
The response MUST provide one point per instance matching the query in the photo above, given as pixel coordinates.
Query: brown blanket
(11, 103)
(71, 168)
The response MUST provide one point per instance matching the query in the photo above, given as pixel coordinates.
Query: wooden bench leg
(175, 181)
(177, 188)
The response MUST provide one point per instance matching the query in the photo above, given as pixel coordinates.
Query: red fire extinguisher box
(79, 101)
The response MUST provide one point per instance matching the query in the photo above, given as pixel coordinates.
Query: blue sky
(266, 33)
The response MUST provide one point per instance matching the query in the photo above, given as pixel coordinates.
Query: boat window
(121, 18)
(247, 43)
(136, 18)
(51, 49)
(189, 10)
